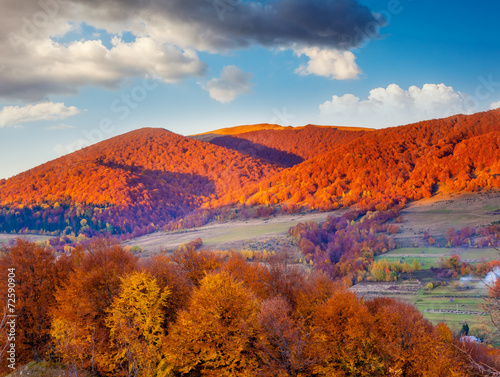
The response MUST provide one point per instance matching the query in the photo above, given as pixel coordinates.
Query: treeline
(103, 312)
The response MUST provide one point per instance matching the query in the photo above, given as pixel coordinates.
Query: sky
(76, 72)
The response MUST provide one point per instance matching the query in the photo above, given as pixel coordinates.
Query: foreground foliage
(103, 312)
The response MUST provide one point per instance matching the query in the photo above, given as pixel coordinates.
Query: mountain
(152, 179)
(133, 183)
(459, 153)
(286, 146)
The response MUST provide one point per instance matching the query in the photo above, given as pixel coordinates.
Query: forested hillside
(154, 179)
(132, 183)
(393, 165)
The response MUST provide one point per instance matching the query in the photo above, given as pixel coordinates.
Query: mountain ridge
(146, 179)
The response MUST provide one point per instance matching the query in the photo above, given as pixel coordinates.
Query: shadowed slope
(144, 178)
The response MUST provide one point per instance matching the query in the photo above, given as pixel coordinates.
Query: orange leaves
(78, 318)
(113, 317)
(36, 279)
(196, 264)
(213, 335)
(284, 344)
(117, 176)
(404, 162)
(345, 340)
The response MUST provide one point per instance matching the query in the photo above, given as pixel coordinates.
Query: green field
(458, 306)
(454, 304)
(484, 253)
(418, 250)
(427, 262)
(430, 256)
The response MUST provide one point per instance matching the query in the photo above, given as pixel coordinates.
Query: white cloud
(168, 35)
(58, 127)
(50, 67)
(13, 115)
(394, 106)
(232, 83)
(331, 63)
(495, 105)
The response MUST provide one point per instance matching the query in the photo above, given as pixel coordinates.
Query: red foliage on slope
(289, 146)
(394, 164)
(144, 176)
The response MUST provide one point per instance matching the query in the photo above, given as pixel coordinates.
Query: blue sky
(78, 73)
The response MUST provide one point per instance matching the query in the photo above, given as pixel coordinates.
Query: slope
(133, 183)
(287, 146)
(459, 153)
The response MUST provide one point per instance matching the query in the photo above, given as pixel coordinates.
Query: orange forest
(102, 312)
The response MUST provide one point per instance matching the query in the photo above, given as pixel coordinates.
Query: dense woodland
(152, 179)
(460, 153)
(101, 311)
(134, 184)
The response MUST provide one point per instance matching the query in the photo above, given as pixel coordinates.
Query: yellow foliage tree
(212, 337)
(134, 320)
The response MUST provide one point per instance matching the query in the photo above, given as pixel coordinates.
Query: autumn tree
(35, 275)
(284, 343)
(196, 264)
(213, 336)
(316, 289)
(409, 343)
(134, 319)
(254, 276)
(345, 340)
(172, 276)
(78, 327)
(285, 277)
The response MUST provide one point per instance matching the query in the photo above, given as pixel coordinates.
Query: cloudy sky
(75, 72)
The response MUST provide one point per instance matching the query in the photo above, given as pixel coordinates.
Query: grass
(5, 238)
(483, 253)
(465, 301)
(233, 234)
(428, 262)
(430, 256)
(439, 298)
(418, 250)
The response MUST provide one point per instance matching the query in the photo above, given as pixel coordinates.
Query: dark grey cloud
(169, 34)
(228, 24)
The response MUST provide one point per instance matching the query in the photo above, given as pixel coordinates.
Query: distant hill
(459, 153)
(135, 182)
(207, 136)
(287, 146)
